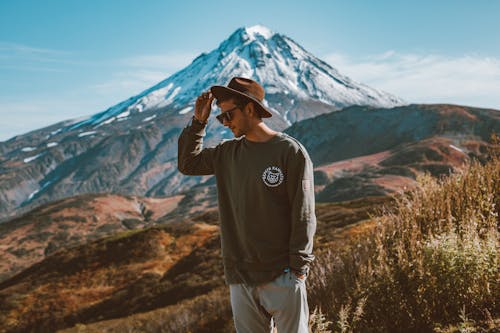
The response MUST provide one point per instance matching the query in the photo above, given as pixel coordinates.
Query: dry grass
(69, 283)
(206, 313)
(429, 264)
(425, 262)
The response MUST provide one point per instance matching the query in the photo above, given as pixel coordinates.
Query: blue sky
(62, 59)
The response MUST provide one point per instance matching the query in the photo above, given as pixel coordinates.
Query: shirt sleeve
(193, 159)
(303, 218)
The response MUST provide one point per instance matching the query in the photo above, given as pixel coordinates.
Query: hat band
(249, 94)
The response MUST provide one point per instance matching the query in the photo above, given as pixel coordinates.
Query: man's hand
(300, 276)
(203, 106)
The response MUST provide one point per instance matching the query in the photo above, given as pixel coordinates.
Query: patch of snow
(291, 83)
(138, 107)
(86, 133)
(185, 110)
(285, 116)
(172, 96)
(123, 114)
(52, 144)
(109, 121)
(256, 30)
(32, 158)
(152, 98)
(32, 194)
(40, 189)
(28, 149)
(56, 131)
(149, 118)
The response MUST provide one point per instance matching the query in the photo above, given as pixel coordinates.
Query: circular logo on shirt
(272, 176)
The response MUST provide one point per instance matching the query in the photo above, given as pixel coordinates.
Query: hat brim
(222, 92)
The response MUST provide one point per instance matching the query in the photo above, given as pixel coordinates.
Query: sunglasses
(227, 115)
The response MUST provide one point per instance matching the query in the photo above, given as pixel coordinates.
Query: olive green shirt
(266, 202)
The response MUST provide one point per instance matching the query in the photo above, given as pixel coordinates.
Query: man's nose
(226, 122)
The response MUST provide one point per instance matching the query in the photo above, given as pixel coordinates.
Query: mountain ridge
(131, 147)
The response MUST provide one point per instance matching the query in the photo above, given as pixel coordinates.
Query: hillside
(74, 221)
(142, 270)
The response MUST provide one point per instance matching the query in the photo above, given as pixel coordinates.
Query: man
(266, 204)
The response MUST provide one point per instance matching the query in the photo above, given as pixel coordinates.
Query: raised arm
(193, 159)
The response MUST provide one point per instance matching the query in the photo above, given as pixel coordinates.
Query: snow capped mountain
(282, 66)
(131, 147)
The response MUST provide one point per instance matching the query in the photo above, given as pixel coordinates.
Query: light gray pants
(282, 301)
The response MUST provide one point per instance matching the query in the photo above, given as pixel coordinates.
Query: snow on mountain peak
(259, 30)
(277, 62)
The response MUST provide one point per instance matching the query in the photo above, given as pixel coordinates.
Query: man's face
(239, 122)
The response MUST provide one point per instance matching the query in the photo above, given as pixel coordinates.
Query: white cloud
(19, 117)
(7, 47)
(469, 80)
(20, 57)
(127, 82)
(167, 61)
(126, 77)
(137, 73)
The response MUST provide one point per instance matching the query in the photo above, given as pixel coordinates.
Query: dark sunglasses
(227, 115)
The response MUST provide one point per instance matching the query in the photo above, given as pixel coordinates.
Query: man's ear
(252, 111)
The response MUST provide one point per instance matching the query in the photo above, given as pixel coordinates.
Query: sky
(64, 59)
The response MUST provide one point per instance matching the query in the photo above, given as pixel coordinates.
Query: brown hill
(113, 277)
(394, 170)
(139, 158)
(359, 131)
(73, 221)
(87, 269)
(142, 270)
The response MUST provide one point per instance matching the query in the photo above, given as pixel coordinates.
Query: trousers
(281, 303)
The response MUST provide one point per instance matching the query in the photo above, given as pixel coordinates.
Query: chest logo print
(273, 176)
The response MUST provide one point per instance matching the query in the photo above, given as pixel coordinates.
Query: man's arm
(303, 219)
(192, 158)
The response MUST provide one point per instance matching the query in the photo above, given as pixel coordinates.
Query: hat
(246, 88)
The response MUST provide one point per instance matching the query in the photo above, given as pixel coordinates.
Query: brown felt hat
(246, 88)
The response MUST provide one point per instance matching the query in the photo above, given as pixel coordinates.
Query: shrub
(425, 261)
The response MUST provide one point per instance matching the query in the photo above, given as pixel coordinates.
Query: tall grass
(429, 262)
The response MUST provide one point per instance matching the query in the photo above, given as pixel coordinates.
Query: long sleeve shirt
(266, 202)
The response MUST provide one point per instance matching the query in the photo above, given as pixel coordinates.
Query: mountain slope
(142, 270)
(288, 73)
(113, 277)
(73, 221)
(362, 151)
(178, 262)
(131, 148)
(357, 131)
